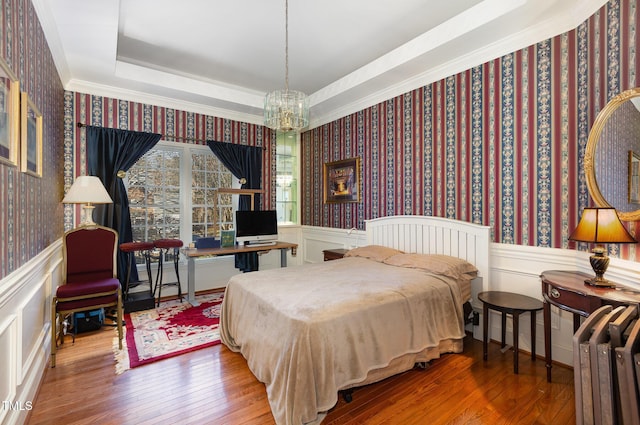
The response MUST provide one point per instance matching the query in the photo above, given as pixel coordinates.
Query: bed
(310, 331)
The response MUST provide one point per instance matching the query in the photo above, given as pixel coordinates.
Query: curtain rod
(192, 139)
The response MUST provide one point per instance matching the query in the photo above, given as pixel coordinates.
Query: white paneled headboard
(434, 235)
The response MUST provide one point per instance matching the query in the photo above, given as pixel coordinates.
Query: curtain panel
(110, 154)
(244, 162)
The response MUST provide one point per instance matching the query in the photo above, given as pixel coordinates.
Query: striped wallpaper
(30, 209)
(499, 144)
(174, 125)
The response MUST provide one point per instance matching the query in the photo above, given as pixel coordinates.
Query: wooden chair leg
(119, 318)
(54, 329)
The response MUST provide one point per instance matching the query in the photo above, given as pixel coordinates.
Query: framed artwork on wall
(9, 115)
(31, 136)
(342, 181)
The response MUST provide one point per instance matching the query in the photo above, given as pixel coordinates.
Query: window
(211, 212)
(287, 177)
(172, 193)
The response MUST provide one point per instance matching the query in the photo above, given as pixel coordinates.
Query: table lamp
(87, 190)
(600, 226)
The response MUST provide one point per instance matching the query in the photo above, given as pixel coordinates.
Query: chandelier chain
(286, 45)
(286, 110)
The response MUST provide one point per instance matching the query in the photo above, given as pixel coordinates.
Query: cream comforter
(309, 331)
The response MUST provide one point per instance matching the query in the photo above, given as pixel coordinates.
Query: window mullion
(186, 207)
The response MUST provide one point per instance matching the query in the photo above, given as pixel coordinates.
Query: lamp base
(87, 215)
(600, 282)
(599, 263)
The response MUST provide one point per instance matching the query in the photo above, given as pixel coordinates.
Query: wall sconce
(600, 226)
(87, 190)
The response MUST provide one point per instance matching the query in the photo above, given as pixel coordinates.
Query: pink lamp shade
(600, 226)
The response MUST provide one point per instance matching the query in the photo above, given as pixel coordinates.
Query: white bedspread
(309, 331)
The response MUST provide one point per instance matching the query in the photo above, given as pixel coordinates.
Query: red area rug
(172, 329)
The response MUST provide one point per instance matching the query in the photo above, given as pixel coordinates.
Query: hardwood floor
(215, 386)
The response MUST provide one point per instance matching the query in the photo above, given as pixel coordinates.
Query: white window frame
(185, 201)
(296, 155)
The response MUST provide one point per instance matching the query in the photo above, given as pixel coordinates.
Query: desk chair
(90, 282)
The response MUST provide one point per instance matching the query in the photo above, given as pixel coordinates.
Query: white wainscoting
(317, 239)
(25, 306)
(517, 269)
(25, 298)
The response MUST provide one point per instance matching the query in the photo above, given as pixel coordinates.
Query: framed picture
(342, 181)
(9, 115)
(31, 136)
(634, 177)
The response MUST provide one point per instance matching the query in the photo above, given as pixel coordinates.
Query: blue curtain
(110, 152)
(244, 162)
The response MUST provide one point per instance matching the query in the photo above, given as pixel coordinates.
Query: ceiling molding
(569, 19)
(94, 89)
(438, 53)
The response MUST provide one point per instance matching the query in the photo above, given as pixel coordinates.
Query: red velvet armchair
(90, 282)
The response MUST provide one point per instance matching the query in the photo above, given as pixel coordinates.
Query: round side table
(509, 303)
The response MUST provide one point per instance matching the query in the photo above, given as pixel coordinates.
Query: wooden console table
(193, 253)
(567, 291)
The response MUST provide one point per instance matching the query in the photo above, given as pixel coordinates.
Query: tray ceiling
(221, 58)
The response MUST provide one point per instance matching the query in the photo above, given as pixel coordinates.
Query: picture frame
(31, 136)
(342, 181)
(9, 116)
(634, 177)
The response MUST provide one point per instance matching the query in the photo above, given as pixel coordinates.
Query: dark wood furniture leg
(533, 335)
(504, 329)
(516, 332)
(546, 311)
(485, 329)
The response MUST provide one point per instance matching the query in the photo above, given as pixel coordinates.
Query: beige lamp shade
(87, 190)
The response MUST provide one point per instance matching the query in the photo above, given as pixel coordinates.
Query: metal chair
(167, 247)
(131, 248)
(135, 301)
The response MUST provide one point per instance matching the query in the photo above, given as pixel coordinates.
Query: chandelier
(286, 110)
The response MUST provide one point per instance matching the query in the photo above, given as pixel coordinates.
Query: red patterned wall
(174, 125)
(30, 208)
(500, 144)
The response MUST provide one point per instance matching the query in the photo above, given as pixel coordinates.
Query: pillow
(447, 265)
(373, 252)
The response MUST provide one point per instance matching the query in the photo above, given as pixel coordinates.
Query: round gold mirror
(612, 156)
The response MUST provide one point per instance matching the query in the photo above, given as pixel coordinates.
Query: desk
(193, 253)
(567, 291)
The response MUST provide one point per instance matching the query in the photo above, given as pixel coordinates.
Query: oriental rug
(169, 330)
